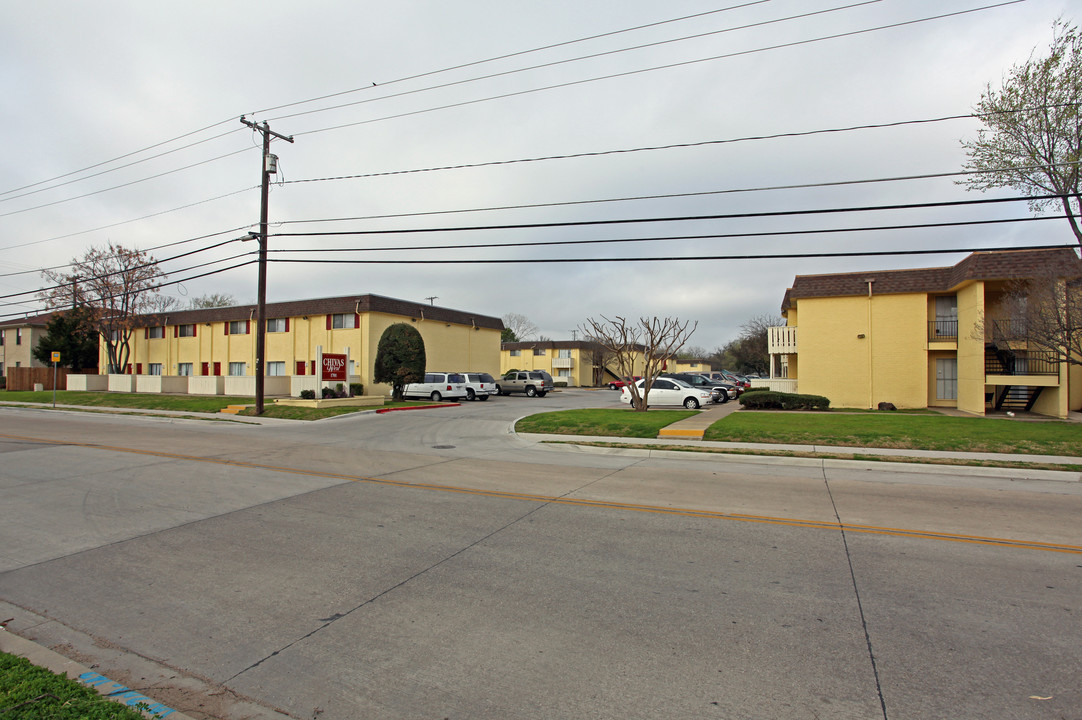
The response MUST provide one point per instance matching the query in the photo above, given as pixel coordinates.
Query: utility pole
(270, 166)
(432, 299)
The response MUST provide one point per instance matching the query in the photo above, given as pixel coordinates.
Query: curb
(109, 689)
(417, 407)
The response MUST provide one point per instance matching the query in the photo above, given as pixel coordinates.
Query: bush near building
(771, 400)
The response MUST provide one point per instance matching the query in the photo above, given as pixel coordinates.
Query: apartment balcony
(781, 340)
(943, 331)
(560, 363)
(1007, 363)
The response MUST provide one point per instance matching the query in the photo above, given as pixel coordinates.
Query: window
(186, 331)
(237, 369)
(516, 353)
(184, 369)
(277, 325)
(539, 351)
(564, 353)
(154, 369)
(274, 369)
(238, 327)
(18, 336)
(1, 338)
(342, 320)
(155, 333)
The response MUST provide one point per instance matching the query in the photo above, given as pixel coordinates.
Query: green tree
(74, 334)
(400, 358)
(508, 335)
(1032, 139)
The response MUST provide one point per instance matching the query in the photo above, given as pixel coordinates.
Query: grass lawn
(920, 432)
(293, 412)
(146, 401)
(28, 691)
(615, 423)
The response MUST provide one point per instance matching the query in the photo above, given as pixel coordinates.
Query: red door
(204, 369)
(300, 367)
(217, 368)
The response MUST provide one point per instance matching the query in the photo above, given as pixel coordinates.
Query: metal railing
(1021, 362)
(942, 330)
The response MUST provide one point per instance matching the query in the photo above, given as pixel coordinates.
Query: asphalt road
(431, 564)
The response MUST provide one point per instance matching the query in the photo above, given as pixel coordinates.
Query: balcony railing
(945, 330)
(782, 340)
(563, 363)
(1020, 362)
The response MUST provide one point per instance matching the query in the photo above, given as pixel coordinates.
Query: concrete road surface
(433, 565)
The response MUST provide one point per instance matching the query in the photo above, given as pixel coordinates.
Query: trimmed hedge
(770, 400)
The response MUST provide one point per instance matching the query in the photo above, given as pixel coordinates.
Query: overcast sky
(121, 124)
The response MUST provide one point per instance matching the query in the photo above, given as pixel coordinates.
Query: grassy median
(145, 401)
(915, 432)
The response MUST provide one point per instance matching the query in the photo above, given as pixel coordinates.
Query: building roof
(29, 321)
(556, 345)
(324, 306)
(985, 265)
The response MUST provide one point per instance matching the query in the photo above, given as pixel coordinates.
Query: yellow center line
(582, 502)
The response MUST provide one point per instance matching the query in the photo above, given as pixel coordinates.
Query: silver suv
(438, 386)
(535, 383)
(479, 385)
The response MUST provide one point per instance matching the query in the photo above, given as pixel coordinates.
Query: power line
(507, 56)
(155, 287)
(124, 185)
(668, 66)
(672, 258)
(347, 92)
(682, 218)
(710, 236)
(591, 56)
(131, 220)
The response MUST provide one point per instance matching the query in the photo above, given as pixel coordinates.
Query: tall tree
(520, 326)
(115, 285)
(74, 334)
(1032, 139)
(656, 340)
(400, 358)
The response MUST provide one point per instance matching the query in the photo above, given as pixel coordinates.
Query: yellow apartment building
(18, 339)
(579, 363)
(929, 337)
(216, 343)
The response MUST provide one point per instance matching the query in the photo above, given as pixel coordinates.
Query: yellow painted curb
(677, 432)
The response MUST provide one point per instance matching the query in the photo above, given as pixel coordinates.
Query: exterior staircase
(1017, 397)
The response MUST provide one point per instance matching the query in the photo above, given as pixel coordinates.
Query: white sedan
(670, 391)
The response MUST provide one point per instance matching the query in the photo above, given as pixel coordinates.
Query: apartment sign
(334, 367)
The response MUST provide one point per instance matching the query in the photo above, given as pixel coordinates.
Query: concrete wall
(88, 383)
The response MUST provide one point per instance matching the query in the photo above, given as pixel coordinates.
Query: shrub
(771, 400)
(356, 389)
(327, 393)
(308, 394)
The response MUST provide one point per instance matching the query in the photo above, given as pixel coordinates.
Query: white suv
(438, 386)
(479, 385)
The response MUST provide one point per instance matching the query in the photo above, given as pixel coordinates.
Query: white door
(946, 378)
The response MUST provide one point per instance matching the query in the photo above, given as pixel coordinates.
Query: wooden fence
(24, 378)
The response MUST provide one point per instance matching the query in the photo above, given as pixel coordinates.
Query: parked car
(617, 384)
(438, 386)
(479, 386)
(719, 391)
(727, 377)
(534, 383)
(670, 391)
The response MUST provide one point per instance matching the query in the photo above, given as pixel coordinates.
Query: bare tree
(1032, 139)
(518, 328)
(657, 340)
(1047, 312)
(597, 356)
(212, 300)
(117, 284)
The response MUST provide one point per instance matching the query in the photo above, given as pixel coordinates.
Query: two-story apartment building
(579, 363)
(18, 339)
(220, 342)
(928, 337)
